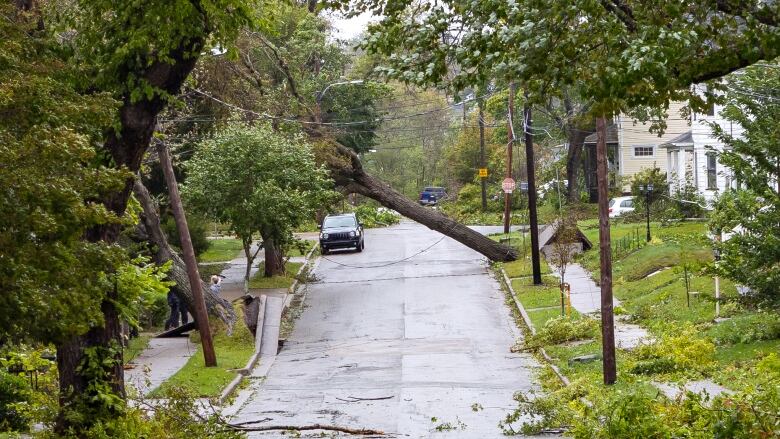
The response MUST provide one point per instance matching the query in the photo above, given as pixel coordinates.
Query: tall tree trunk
(347, 171)
(274, 259)
(576, 138)
(126, 147)
(153, 233)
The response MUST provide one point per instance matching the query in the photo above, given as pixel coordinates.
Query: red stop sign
(508, 185)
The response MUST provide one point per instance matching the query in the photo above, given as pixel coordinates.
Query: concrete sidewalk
(586, 299)
(158, 362)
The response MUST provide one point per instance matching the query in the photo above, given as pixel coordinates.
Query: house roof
(547, 236)
(612, 135)
(684, 139)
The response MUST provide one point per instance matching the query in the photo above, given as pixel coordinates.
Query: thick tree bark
(126, 147)
(576, 138)
(153, 233)
(347, 171)
(274, 259)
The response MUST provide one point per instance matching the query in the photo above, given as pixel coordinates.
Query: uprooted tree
(149, 230)
(347, 171)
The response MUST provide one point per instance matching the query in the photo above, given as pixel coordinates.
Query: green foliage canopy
(257, 181)
(751, 256)
(620, 54)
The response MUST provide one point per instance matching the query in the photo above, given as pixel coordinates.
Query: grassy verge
(207, 270)
(649, 280)
(221, 250)
(285, 281)
(135, 346)
(295, 251)
(740, 353)
(232, 353)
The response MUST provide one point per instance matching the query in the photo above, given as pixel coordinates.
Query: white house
(692, 156)
(686, 151)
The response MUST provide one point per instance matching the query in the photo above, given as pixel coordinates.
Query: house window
(643, 151)
(712, 175)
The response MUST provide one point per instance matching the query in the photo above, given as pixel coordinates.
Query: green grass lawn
(207, 270)
(232, 353)
(260, 281)
(294, 251)
(532, 296)
(522, 267)
(222, 250)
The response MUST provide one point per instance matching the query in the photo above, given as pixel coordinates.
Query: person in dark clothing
(173, 303)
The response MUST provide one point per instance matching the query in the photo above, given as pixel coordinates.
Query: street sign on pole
(508, 185)
(483, 172)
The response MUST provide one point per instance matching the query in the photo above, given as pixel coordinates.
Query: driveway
(413, 344)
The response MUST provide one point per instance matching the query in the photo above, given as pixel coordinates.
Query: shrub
(563, 329)
(372, 216)
(747, 328)
(595, 411)
(198, 233)
(678, 350)
(14, 392)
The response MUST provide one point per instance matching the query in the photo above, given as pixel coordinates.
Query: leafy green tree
(139, 53)
(55, 283)
(751, 256)
(257, 181)
(619, 54)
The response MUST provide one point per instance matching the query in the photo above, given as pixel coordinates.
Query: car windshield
(338, 221)
(611, 202)
(434, 189)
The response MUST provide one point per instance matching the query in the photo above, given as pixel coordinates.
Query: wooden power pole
(509, 147)
(607, 318)
(482, 164)
(532, 218)
(201, 316)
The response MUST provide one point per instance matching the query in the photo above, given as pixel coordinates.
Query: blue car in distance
(430, 196)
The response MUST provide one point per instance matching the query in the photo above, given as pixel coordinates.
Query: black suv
(341, 231)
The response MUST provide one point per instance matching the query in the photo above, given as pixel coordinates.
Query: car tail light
(610, 210)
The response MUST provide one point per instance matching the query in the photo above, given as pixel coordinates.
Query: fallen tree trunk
(152, 232)
(348, 173)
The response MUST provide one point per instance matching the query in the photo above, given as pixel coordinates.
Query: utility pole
(532, 218)
(605, 251)
(482, 164)
(509, 146)
(201, 316)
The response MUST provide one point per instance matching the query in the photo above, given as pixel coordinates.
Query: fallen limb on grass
(360, 431)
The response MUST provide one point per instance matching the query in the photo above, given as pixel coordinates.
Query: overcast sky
(347, 29)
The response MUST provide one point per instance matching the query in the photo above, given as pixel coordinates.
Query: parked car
(341, 231)
(430, 196)
(620, 205)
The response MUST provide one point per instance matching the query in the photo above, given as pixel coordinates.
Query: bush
(14, 392)
(614, 412)
(198, 233)
(679, 350)
(563, 329)
(372, 216)
(747, 328)
(175, 416)
(155, 313)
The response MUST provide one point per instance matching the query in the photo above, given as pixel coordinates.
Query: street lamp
(320, 95)
(647, 190)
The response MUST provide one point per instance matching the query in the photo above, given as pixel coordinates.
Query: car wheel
(363, 245)
(324, 251)
(359, 247)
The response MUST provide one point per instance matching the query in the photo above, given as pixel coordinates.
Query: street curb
(532, 329)
(253, 360)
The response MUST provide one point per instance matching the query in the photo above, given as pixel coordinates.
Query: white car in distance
(620, 205)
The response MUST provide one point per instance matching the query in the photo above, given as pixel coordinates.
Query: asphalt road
(403, 347)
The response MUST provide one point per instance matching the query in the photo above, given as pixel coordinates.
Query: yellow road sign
(483, 172)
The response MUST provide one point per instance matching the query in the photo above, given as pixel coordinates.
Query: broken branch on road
(356, 431)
